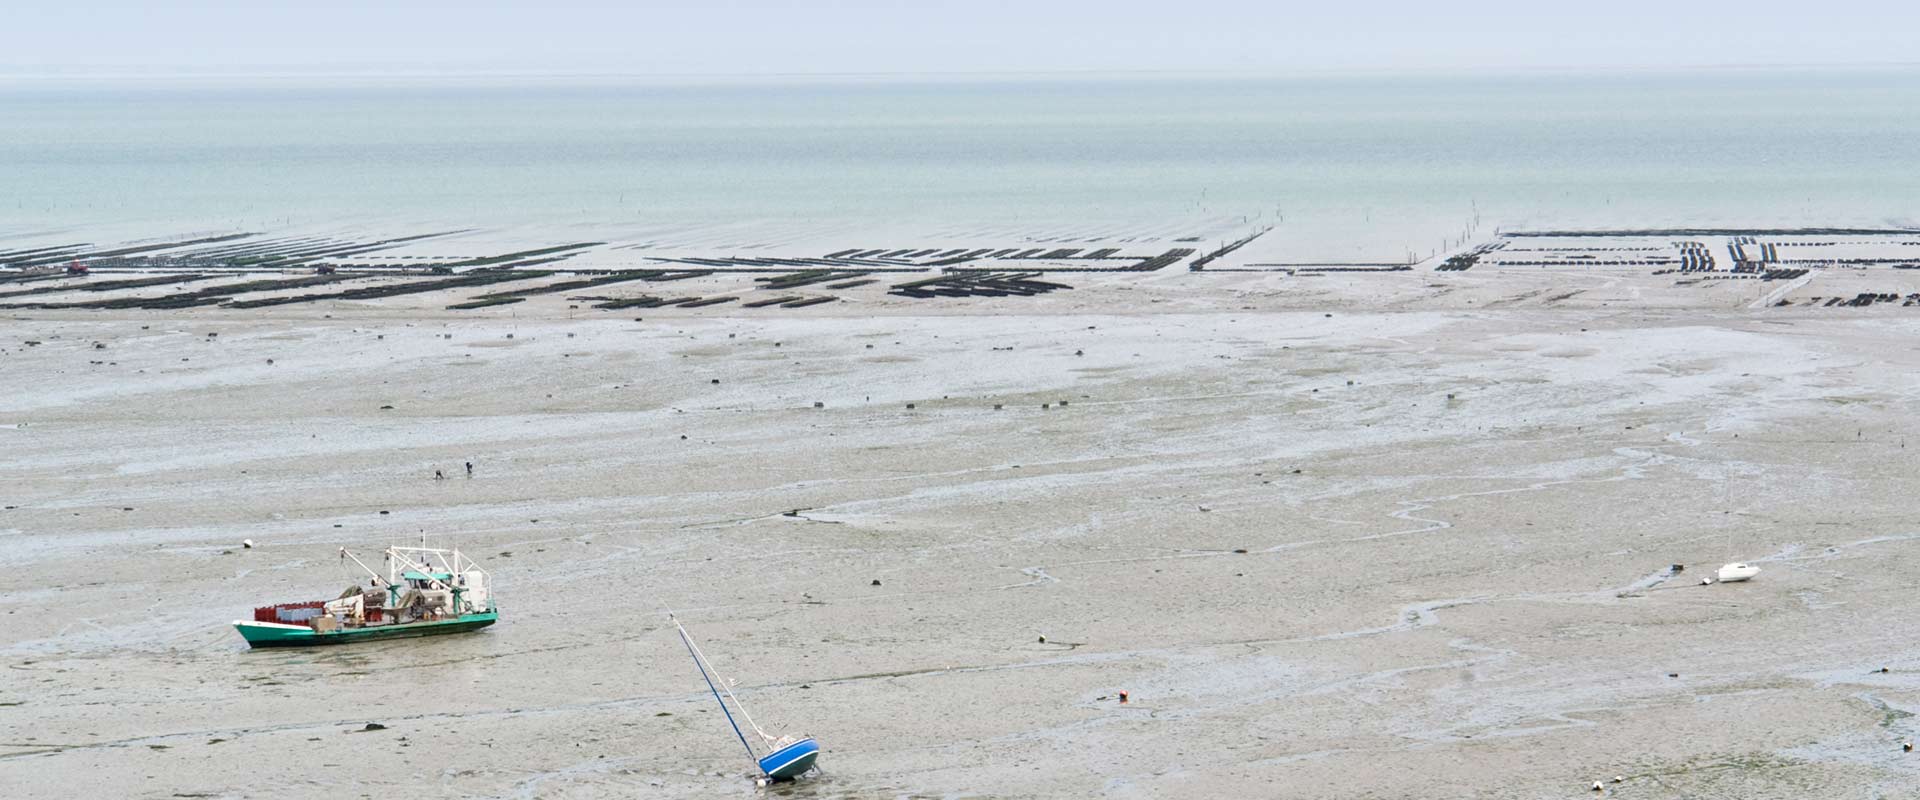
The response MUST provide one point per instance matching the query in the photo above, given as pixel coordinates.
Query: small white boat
(1736, 571)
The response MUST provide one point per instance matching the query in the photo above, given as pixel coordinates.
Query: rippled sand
(1418, 548)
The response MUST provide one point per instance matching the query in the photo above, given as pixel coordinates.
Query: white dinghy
(1736, 571)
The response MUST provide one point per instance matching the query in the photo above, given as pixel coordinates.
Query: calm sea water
(1354, 154)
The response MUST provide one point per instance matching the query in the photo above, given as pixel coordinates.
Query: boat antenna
(700, 661)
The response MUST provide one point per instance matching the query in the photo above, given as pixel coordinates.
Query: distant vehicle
(324, 269)
(76, 268)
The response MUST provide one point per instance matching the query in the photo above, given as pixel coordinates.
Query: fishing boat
(780, 758)
(425, 592)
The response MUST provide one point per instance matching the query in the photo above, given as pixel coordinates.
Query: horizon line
(148, 73)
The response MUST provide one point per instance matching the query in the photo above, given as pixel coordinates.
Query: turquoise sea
(1356, 154)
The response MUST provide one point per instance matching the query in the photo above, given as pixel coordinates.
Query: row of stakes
(910, 406)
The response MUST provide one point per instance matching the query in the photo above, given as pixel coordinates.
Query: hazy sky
(825, 36)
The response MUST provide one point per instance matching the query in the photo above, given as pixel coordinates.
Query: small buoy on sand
(1043, 640)
(1598, 786)
(1906, 747)
(246, 543)
(876, 582)
(1619, 779)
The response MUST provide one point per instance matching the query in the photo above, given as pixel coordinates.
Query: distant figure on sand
(469, 469)
(439, 476)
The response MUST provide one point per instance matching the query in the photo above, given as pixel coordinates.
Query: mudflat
(1347, 537)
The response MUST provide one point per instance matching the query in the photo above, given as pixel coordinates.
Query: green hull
(270, 635)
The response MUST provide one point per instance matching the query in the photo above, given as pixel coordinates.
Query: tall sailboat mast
(701, 662)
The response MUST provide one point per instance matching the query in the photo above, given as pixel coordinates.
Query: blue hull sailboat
(787, 757)
(791, 761)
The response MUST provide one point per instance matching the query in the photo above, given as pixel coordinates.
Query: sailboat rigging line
(725, 685)
(701, 663)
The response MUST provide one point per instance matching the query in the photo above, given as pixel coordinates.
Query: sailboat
(785, 757)
(1734, 571)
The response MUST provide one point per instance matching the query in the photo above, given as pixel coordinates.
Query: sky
(767, 37)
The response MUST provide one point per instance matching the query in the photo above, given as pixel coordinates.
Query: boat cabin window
(420, 580)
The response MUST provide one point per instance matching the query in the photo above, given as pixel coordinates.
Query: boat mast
(727, 686)
(701, 662)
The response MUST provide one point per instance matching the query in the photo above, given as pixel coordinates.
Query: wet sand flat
(1408, 549)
